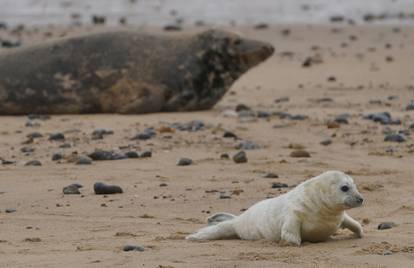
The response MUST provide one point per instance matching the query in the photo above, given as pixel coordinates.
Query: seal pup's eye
(344, 188)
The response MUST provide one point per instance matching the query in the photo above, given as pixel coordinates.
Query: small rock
(57, 156)
(240, 157)
(56, 136)
(229, 134)
(342, 119)
(102, 188)
(147, 134)
(184, 162)
(276, 185)
(271, 175)
(326, 142)
(242, 107)
(33, 163)
(412, 126)
(101, 155)
(410, 106)
(300, 153)
(172, 27)
(282, 99)
(146, 154)
(100, 133)
(84, 160)
(27, 150)
(224, 195)
(34, 135)
(386, 225)
(191, 126)
(10, 210)
(32, 124)
(263, 114)
(132, 154)
(247, 145)
(386, 252)
(224, 156)
(133, 248)
(261, 26)
(65, 145)
(395, 138)
(72, 189)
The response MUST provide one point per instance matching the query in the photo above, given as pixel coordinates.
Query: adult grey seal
(125, 72)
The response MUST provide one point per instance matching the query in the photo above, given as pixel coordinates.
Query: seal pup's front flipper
(220, 217)
(222, 230)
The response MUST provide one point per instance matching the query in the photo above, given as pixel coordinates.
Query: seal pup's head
(220, 59)
(338, 190)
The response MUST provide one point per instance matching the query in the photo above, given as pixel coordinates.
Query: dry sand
(89, 230)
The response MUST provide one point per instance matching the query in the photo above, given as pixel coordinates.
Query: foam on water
(159, 12)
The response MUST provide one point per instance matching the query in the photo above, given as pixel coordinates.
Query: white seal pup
(313, 211)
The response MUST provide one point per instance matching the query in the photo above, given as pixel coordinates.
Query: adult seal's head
(220, 58)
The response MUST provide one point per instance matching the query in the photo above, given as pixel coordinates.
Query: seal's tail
(221, 230)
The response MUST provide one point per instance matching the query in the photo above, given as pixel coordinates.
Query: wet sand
(354, 70)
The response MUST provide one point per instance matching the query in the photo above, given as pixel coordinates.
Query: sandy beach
(317, 72)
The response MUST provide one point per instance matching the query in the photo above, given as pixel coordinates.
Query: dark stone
(100, 133)
(300, 154)
(10, 210)
(42, 117)
(385, 225)
(224, 195)
(412, 126)
(33, 163)
(65, 145)
(27, 150)
(172, 27)
(271, 175)
(282, 99)
(410, 106)
(147, 134)
(326, 142)
(191, 126)
(34, 135)
(240, 157)
(146, 154)
(57, 156)
(224, 156)
(342, 119)
(56, 136)
(383, 118)
(101, 188)
(32, 124)
(184, 162)
(242, 107)
(96, 19)
(7, 162)
(72, 189)
(84, 160)
(133, 248)
(395, 138)
(276, 185)
(247, 145)
(132, 154)
(101, 155)
(263, 114)
(229, 134)
(261, 26)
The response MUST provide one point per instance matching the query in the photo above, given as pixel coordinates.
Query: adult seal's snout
(126, 72)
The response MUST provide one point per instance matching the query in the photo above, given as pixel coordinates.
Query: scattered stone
(383, 118)
(96, 19)
(33, 239)
(263, 114)
(300, 153)
(33, 163)
(412, 126)
(332, 124)
(296, 146)
(132, 154)
(32, 124)
(147, 134)
(101, 155)
(27, 150)
(172, 27)
(163, 184)
(34, 135)
(7, 162)
(326, 142)
(100, 133)
(57, 156)
(282, 99)
(224, 156)
(277, 185)
(72, 189)
(229, 134)
(242, 107)
(65, 145)
(11, 210)
(102, 188)
(191, 126)
(84, 160)
(271, 175)
(184, 162)
(386, 225)
(261, 26)
(56, 136)
(395, 138)
(410, 106)
(240, 157)
(224, 195)
(146, 154)
(133, 248)
(342, 118)
(247, 145)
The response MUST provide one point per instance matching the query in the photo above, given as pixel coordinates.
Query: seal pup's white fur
(312, 211)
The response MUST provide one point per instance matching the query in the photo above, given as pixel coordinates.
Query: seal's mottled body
(125, 72)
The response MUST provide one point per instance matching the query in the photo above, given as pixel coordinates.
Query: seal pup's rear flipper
(222, 230)
(220, 217)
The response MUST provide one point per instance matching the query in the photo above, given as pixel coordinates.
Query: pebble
(147, 134)
(247, 145)
(27, 150)
(412, 126)
(282, 99)
(100, 133)
(410, 106)
(132, 154)
(11, 210)
(133, 248)
(342, 119)
(72, 189)
(326, 142)
(383, 118)
(271, 175)
(57, 156)
(65, 145)
(56, 136)
(395, 138)
(146, 154)
(172, 27)
(101, 155)
(84, 160)
(224, 195)
(184, 162)
(240, 157)
(229, 134)
(34, 135)
(191, 126)
(33, 163)
(102, 188)
(300, 153)
(386, 225)
(276, 185)
(242, 107)
(224, 156)
(32, 124)
(263, 114)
